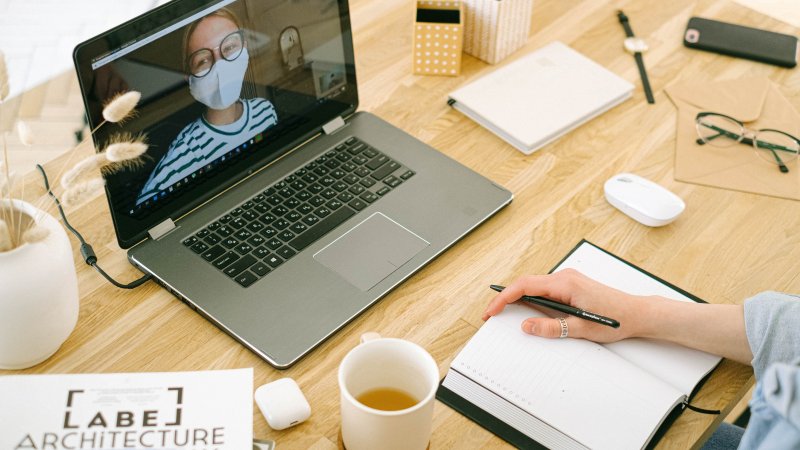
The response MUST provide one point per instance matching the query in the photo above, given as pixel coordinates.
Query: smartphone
(743, 42)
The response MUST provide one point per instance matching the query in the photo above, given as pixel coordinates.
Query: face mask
(222, 86)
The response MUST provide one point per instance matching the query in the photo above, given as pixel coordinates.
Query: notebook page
(509, 413)
(677, 365)
(575, 386)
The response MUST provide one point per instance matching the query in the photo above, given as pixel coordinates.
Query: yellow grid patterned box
(437, 46)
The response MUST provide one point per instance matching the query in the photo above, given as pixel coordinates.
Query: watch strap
(623, 19)
(648, 92)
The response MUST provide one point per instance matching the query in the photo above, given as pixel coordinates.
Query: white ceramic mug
(387, 363)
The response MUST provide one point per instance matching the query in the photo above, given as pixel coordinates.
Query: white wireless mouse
(644, 201)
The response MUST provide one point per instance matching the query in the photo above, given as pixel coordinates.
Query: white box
(493, 29)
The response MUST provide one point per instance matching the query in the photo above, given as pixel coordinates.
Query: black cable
(89, 257)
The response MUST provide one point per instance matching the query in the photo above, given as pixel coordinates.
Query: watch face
(635, 45)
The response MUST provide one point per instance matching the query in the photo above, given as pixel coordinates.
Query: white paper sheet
(171, 410)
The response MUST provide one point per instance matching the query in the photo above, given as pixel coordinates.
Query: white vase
(38, 294)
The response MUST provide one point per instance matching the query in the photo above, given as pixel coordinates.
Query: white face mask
(222, 86)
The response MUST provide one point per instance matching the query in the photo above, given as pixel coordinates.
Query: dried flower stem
(41, 203)
(7, 211)
(5, 237)
(85, 169)
(118, 109)
(35, 233)
(4, 87)
(82, 192)
(80, 186)
(18, 227)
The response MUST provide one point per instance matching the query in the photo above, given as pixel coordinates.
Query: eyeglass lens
(775, 146)
(201, 61)
(719, 131)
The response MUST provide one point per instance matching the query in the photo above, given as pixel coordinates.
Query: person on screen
(763, 333)
(216, 58)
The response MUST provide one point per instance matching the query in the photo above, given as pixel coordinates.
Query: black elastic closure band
(701, 410)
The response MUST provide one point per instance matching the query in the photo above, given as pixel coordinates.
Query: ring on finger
(564, 329)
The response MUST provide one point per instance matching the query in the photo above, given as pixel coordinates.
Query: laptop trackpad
(371, 251)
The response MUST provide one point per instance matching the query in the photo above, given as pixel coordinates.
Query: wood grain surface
(726, 247)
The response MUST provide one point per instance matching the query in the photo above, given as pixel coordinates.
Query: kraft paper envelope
(754, 101)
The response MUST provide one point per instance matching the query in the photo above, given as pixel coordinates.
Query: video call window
(218, 85)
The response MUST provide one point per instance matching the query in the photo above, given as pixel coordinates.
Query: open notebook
(572, 393)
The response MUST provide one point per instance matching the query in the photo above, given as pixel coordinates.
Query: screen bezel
(129, 232)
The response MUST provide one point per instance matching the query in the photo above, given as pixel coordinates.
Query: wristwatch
(636, 46)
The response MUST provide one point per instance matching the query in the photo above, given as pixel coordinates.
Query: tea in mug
(387, 399)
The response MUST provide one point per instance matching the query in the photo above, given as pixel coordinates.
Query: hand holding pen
(578, 297)
(566, 309)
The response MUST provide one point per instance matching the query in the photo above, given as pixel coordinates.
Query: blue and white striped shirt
(200, 143)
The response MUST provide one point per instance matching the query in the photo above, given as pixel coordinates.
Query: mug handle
(369, 336)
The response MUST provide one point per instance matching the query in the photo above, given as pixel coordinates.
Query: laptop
(266, 201)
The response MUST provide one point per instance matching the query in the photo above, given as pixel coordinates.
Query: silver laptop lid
(227, 87)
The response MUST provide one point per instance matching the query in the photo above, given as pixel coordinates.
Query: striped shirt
(201, 143)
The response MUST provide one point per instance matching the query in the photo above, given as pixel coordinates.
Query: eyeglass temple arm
(720, 132)
(771, 148)
(746, 141)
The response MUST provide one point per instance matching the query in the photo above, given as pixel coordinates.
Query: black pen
(566, 309)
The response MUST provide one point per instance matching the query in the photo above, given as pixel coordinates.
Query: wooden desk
(726, 247)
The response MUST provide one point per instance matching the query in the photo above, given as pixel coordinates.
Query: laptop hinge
(334, 125)
(158, 231)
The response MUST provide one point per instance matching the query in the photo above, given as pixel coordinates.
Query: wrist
(647, 314)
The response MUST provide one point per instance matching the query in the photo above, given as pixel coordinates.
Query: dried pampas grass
(124, 151)
(84, 170)
(25, 134)
(4, 87)
(121, 107)
(35, 234)
(81, 183)
(83, 192)
(6, 181)
(5, 237)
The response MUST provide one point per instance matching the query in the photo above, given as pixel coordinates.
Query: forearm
(717, 329)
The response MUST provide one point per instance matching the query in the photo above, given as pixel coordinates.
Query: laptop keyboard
(257, 236)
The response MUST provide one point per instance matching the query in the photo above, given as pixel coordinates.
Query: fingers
(558, 286)
(509, 295)
(543, 327)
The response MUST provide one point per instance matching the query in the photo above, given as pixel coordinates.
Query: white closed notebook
(541, 96)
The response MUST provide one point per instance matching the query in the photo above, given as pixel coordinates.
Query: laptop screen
(227, 86)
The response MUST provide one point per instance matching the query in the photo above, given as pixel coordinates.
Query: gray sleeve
(772, 323)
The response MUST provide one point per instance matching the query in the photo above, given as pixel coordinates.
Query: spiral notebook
(572, 393)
